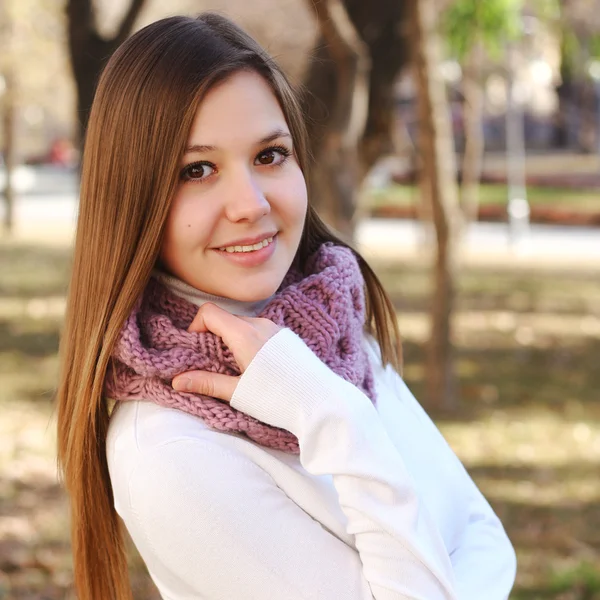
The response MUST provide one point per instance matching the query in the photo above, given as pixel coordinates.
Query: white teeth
(252, 248)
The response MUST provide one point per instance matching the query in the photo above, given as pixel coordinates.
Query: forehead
(243, 107)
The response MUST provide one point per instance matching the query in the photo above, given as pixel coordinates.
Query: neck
(198, 297)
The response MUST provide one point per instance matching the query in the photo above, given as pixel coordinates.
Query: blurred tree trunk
(566, 89)
(380, 24)
(474, 140)
(8, 149)
(564, 93)
(587, 111)
(335, 173)
(439, 185)
(8, 116)
(89, 51)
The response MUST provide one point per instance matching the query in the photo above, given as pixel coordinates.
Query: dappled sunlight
(28, 375)
(525, 436)
(464, 133)
(552, 575)
(18, 307)
(541, 473)
(29, 272)
(34, 549)
(527, 329)
(548, 490)
(527, 428)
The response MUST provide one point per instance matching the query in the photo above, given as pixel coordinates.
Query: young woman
(262, 444)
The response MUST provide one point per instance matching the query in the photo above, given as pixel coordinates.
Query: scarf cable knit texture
(324, 305)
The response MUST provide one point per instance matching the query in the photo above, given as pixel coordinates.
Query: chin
(254, 291)
(257, 294)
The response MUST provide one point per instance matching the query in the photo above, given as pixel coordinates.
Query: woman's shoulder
(372, 347)
(384, 375)
(138, 426)
(152, 442)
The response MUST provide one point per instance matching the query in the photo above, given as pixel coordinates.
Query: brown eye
(197, 172)
(267, 157)
(273, 156)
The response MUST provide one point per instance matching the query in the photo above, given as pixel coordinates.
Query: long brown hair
(143, 111)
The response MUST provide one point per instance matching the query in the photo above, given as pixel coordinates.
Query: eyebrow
(278, 133)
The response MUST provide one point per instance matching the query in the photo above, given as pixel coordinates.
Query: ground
(527, 426)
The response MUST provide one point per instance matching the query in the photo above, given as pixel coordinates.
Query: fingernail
(182, 384)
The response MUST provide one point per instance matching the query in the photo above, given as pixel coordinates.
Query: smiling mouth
(252, 248)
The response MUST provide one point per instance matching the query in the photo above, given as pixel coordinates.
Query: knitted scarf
(324, 305)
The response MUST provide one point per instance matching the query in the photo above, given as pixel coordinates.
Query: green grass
(579, 582)
(527, 426)
(492, 194)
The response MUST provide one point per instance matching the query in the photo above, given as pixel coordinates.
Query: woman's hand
(244, 336)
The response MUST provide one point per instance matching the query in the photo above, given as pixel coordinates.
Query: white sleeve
(484, 558)
(212, 524)
(340, 433)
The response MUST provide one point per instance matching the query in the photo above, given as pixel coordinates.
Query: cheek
(301, 208)
(186, 227)
(169, 251)
(297, 200)
(174, 229)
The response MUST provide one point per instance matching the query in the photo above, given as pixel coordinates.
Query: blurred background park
(457, 142)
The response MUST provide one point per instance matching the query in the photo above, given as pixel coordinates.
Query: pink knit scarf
(324, 305)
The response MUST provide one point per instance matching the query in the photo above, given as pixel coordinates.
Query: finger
(198, 325)
(215, 385)
(215, 319)
(244, 337)
(247, 319)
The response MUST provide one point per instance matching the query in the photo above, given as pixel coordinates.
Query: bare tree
(8, 149)
(472, 163)
(389, 28)
(89, 50)
(438, 182)
(381, 25)
(334, 176)
(7, 78)
(474, 30)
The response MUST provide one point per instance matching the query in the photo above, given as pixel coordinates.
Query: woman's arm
(340, 433)
(209, 523)
(483, 558)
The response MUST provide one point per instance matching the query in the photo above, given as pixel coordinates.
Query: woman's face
(237, 217)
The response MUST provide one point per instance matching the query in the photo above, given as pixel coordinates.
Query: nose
(246, 200)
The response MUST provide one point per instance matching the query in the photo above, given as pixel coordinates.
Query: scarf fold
(324, 305)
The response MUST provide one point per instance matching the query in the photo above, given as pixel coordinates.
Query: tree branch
(351, 55)
(81, 19)
(128, 20)
(337, 29)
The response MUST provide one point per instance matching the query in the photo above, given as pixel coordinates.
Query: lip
(251, 259)
(248, 241)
